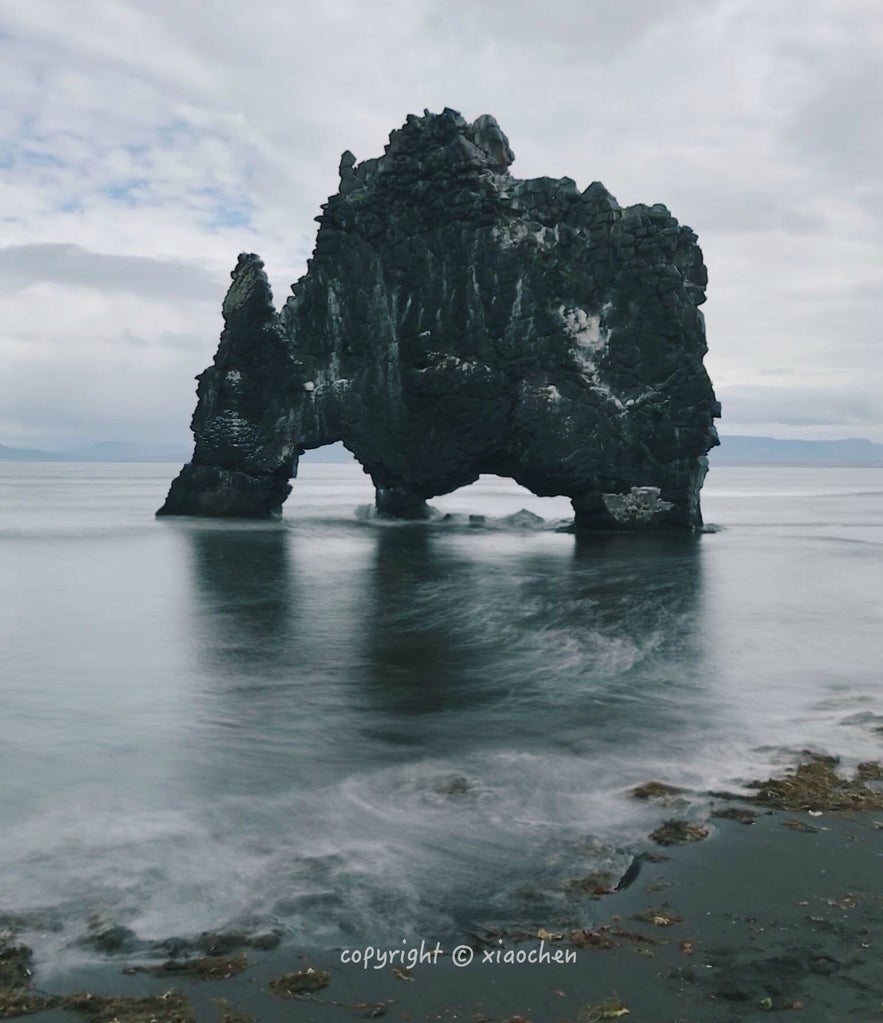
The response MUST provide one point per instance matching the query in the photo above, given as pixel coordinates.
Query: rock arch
(455, 320)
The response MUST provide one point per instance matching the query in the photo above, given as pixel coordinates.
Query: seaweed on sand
(170, 1007)
(815, 785)
(204, 968)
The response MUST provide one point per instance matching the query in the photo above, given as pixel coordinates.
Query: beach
(784, 914)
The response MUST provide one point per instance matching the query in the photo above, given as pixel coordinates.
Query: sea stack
(455, 320)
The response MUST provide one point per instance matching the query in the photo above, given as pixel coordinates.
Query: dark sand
(784, 915)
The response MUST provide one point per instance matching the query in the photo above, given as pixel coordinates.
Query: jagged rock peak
(432, 140)
(249, 294)
(250, 317)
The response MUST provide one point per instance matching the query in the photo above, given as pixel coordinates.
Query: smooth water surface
(351, 729)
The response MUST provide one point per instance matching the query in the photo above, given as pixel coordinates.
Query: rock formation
(455, 320)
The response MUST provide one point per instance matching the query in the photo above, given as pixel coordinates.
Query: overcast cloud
(144, 143)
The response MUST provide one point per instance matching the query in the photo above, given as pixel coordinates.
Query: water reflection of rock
(248, 714)
(418, 658)
(644, 598)
(522, 639)
(244, 602)
(274, 650)
(648, 585)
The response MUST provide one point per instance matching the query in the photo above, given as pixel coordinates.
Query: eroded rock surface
(455, 320)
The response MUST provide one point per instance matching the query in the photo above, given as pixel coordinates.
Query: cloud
(800, 406)
(150, 141)
(83, 389)
(23, 265)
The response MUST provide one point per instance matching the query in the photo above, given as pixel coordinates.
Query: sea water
(347, 729)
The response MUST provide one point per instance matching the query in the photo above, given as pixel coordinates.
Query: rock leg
(398, 503)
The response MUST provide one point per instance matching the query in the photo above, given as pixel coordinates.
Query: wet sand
(781, 915)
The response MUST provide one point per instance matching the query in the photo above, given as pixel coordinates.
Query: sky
(145, 143)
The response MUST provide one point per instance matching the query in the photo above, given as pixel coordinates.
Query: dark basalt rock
(245, 422)
(455, 320)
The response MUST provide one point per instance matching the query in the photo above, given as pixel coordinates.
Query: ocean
(350, 730)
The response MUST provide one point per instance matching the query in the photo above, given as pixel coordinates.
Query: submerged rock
(658, 790)
(111, 938)
(17, 997)
(524, 519)
(678, 832)
(455, 320)
(456, 785)
(15, 965)
(293, 985)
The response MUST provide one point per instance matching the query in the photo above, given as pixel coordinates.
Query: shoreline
(785, 913)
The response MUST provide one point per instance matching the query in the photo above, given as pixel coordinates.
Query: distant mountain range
(108, 451)
(771, 451)
(733, 451)
(123, 451)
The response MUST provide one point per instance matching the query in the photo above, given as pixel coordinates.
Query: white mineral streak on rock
(548, 236)
(590, 340)
(585, 329)
(519, 230)
(516, 303)
(333, 308)
(640, 504)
